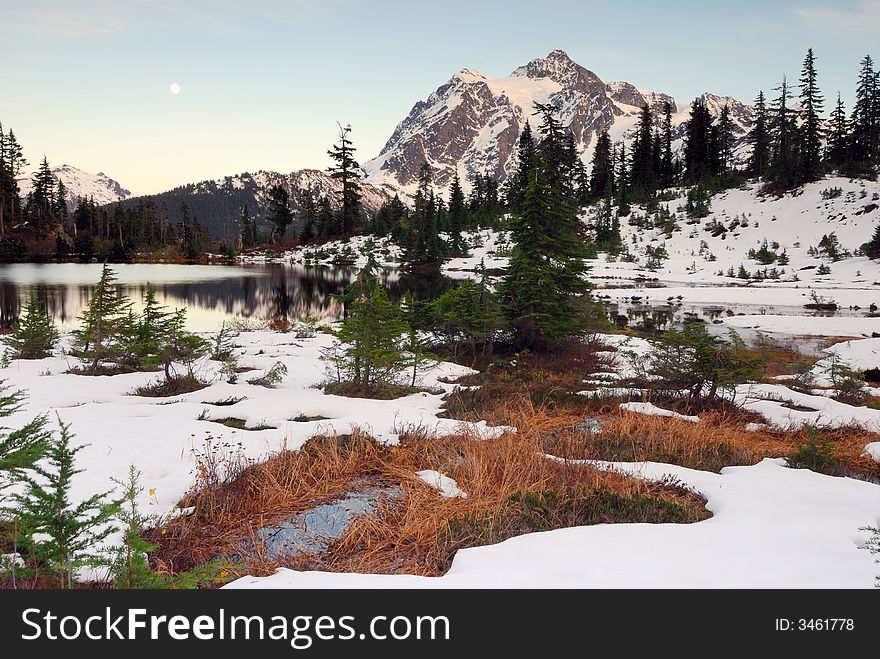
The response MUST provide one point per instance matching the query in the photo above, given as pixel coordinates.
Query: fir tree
(866, 115)
(131, 566)
(71, 531)
(546, 271)
(525, 162)
(345, 170)
(248, 228)
(643, 177)
(150, 332)
(698, 147)
(369, 354)
(724, 131)
(308, 213)
(12, 163)
(326, 221)
(19, 449)
(667, 166)
(105, 326)
(759, 137)
(838, 140)
(424, 246)
(34, 335)
(783, 163)
(280, 214)
(811, 109)
(457, 214)
(602, 173)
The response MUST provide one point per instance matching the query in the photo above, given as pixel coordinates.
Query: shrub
(34, 335)
(816, 454)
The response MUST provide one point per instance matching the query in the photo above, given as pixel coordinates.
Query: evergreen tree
(369, 354)
(41, 199)
(131, 566)
(643, 177)
(326, 221)
(759, 137)
(622, 183)
(838, 140)
(280, 214)
(811, 132)
(424, 245)
(698, 143)
(724, 131)
(602, 173)
(783, 163)
(71, 531)
(248, 228)
(105, 327)
(150, 332)
(871, 249)
(667, 166)
(345, 170)
(546, 271)
(19, 449)
(12, 163)
(525, 163)
(457, 215)
(34, 335)
(308, 213)
(866, 115)
(59, 209)
(469, 315)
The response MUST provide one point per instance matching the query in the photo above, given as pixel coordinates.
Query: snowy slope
(81, 184)
(471, 123)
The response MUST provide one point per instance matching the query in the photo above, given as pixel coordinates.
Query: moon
(174, 88)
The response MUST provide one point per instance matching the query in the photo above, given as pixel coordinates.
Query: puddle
(312, 531)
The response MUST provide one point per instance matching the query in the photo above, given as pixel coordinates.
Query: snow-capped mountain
(472, 122)
(81, 184)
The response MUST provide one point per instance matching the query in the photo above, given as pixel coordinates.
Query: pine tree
(105, 327)
(131, 565)
(345, 170)
(838, 140)
(280, 214)
(59, 209)
(71, 531)
(325, 219)
(41, 199)
(643, 177)
(369, 353)
(866, 115)
(546, 271)
(19, 449)
(698, 147)
(724, 131)
(457, 214)
(667, 166)
(622, 183)
(525, 162)
(602, 173)
(783, 163)
(150, 332)
(248, 228)
(424, 246)
(308, 213)
(759, 137)
(34, 335)
(811, 108)
(12, 162)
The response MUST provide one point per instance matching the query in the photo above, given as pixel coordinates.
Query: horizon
(254, 106)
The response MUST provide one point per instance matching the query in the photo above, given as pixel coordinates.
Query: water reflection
(209, 293)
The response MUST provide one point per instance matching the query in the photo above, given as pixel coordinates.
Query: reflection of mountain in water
(270, 292)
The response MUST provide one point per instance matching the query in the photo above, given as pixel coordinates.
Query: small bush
(816, 454)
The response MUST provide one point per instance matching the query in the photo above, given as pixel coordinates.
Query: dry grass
(512, 489)
(718, 440)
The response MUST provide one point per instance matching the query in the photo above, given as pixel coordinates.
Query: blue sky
(264, 82)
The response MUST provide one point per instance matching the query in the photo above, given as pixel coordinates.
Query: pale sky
(264, 82)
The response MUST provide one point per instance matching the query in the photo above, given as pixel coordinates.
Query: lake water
(210, 293)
